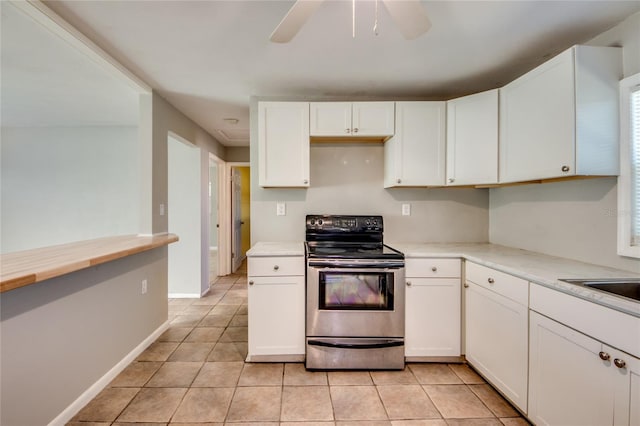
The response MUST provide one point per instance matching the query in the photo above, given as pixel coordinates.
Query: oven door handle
(347, 264)
(388, 343)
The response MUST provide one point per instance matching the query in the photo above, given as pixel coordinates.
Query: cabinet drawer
(275, 266)
(507, 285)
(432, 268)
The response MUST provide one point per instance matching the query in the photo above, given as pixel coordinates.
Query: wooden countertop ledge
(27, 267)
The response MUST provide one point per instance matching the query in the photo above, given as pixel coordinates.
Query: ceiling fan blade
(294, 20)
(409, 16)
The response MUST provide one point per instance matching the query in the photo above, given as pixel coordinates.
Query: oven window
(356, 291)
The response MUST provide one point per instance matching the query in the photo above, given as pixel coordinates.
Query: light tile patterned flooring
(195, 374)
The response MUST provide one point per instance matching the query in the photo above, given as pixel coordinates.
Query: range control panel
(344, 224)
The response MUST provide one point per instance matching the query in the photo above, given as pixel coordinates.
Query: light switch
(281, 209)
(161, 209)
(406, 210)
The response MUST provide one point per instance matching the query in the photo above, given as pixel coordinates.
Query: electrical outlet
(406, 210)
(144, 286)
(281, 209)
(161, 209)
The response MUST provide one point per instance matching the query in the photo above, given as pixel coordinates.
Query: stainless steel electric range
(355, 295)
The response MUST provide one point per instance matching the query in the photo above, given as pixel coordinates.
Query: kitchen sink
(625, 287)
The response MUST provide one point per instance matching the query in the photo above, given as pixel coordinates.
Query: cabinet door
(415, 156)
(373, 118)
(283, 144)
(569, 383)
(432, 326)
(537, 122)
(276, 315)
(472, 139)
(330, 118)
(497, 341)
(627, 387)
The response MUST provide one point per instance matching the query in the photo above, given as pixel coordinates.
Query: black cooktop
(338, 250)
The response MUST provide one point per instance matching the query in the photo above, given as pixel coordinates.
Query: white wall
(348, 179)
(574, 219)
(213, 206)
(183, 211)
(66, 184)
(61, 335)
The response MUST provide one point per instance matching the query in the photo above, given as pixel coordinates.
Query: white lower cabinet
(577, 380)
(432, 326)
(276, 308)
(496, 325)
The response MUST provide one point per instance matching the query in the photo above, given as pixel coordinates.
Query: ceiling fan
(408, 15)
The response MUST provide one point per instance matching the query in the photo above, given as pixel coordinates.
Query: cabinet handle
(604, 356)
(408, 283)
(355, 130)
(276, 267)
(399, 181)
(347, 130)
(565, 168)
(251, 282)
(465, 285)
(306, 181)
(619, 363)
(451, 180)
(491, 280)
(434, 269)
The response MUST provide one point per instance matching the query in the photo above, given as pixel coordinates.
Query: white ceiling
(208, 57)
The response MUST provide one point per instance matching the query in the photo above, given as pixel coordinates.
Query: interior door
(236, 218)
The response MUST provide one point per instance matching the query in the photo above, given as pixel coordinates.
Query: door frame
(226, 228)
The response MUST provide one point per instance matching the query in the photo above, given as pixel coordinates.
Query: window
(629, 181)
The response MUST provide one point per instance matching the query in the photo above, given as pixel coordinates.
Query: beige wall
(575, 219)
(237, 154)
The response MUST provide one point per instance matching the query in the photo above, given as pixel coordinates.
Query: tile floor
(195, 374)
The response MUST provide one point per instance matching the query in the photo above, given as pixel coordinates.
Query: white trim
(67, 414)
(185, 295)
(624, 180)
(39, 12)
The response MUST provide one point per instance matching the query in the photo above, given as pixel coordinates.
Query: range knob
(312, 222)
(320, 222)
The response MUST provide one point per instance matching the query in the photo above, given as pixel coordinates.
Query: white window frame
(626, 247)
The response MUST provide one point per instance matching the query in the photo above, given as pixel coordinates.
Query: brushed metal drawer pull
(619, 363)
(276, 267)
(604, 356)
(434, 269)
(491, 280)
(251, 282)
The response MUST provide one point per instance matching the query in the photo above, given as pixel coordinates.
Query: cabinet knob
(276, 267)
(619, 363)
(408, 283)
(565, 168)
(604, 356)
(355, 130)
(399, 181)
(306, 181)
(491, 280)
(347, 130)
(466, 285)
(251, 282)
(434, 269)
(451, 180)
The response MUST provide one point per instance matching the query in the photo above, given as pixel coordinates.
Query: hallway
(195, 374)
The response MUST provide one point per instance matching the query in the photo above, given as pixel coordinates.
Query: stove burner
(329, 250)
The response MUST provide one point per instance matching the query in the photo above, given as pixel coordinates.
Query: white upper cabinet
(352, 119)
(283, 144)
(415, 156)
(561, 119)
(472, 139)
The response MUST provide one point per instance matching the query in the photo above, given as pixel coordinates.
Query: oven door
(350, 299)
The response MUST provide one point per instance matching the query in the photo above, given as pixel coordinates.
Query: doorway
(240, 214)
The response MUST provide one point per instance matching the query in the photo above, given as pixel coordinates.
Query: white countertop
(534, 267)
(276, 249)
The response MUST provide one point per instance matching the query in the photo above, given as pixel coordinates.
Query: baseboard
(184, 295)
(68, 413)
